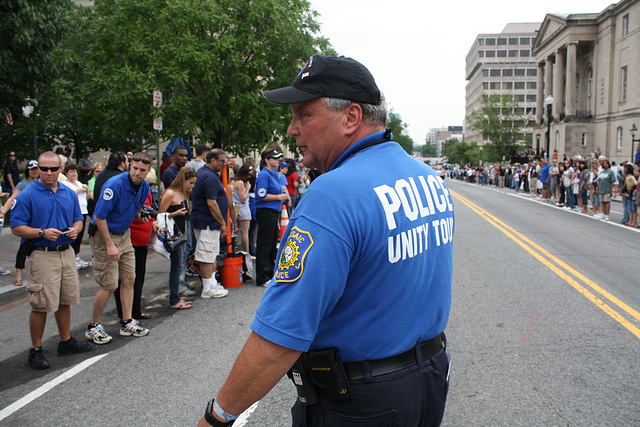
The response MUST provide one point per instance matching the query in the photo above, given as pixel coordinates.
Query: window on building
(495, 72)
(513, 54)
(507, 72)
(485, 85)
(481, 42)
(525, 40)
(519, 85)
(532, 72)
(625, 25)
(623, 84)
(485, 73)
(490, 42)
(513, 41)
(531, 98)
(481, 54)
(502, 54)
(619, 138)
(557, 139)
(494, 85)
(519, 98)
(532, 85)
(525, 53)
(490, 53)
(584, 140)
(507, 85)
(520, 72)
(589, 89)
(502, 41)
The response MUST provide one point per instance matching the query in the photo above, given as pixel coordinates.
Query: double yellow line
(561, 269)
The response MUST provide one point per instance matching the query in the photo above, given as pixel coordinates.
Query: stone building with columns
(589, 72)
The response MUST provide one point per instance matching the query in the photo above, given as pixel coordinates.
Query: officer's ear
(352, 118)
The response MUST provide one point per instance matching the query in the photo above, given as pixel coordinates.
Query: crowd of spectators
(586, 185)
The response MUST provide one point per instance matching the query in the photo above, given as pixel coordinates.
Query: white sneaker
(133, 328)
(214, 293)
(598, 215)
(97, 334)
(605, 218)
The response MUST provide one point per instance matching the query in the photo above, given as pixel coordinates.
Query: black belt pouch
(299, 374)
(92, 229)
(328, 373)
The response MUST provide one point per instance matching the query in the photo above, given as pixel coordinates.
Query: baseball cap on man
(32, 164)
(332, 77)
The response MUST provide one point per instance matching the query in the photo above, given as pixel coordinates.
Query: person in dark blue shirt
(209, 204)
(47, 216)
(180, 157)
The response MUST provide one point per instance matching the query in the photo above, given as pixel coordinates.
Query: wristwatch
(41, 233)
(208, 416)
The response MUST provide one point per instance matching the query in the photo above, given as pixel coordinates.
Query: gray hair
(375, 115)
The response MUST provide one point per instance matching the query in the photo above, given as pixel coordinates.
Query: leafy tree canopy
(399, 129)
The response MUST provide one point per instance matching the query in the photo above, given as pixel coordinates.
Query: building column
(558, 85)
(548, 80)
(571, 79)
(540, 94)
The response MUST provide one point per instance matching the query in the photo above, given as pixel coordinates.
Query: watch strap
(209, 418)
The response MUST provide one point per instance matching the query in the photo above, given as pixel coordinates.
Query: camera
(148, 212)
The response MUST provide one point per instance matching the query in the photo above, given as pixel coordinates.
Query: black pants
(414, 396)
(141, 270)
(267, 240)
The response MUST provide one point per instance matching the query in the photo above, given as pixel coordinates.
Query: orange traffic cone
(284, 220)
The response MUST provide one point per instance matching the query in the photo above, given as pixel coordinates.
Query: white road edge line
(48, 386)
(244, 417)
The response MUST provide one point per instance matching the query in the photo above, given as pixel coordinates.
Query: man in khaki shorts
(120, 201)
(47, 216)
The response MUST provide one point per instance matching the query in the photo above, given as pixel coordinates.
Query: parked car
(440, 171)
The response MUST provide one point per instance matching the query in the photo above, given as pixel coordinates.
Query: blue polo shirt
(119, 203)
(268, 182)
(208, 186)
(544, 173)
(365, 267)
(38, 206)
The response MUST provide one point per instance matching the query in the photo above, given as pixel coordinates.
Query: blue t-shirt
(544, 173)
(267, 183)
(208, 186)
(119, 203)
(38, 206)
(366, 265)
(169, 175)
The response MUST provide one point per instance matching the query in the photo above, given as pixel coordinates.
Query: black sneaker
(37, 360)
(71, 346)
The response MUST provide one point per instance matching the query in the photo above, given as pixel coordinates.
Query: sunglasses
(139, 159)
(47, 169)
(12, 155)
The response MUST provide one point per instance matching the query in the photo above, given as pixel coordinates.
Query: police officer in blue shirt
(47, 216)
(362, 289)
(269, 198)
(121, 199)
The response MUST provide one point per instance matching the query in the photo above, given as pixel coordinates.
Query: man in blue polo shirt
(362, 287)
(47, 216)
(121, 199)
(209, 210)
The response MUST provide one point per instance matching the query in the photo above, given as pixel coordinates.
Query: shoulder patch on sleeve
(107, 194)
(291, 262)
(262, 192)
(13, 204)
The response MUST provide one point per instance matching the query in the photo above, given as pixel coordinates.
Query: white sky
(416, 49)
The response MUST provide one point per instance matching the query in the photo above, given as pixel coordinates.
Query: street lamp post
(633, 131)
(538, 145)
(549, 103)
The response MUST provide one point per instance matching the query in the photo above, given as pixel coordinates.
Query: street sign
(157, 123)
(157, 98)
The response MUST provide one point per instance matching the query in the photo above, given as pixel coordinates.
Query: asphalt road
(543, 331)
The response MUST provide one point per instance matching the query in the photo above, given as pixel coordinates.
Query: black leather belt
(52, 248)
(395, 363)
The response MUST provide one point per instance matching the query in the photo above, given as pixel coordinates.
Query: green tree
(428, 150)
(399, 129)
(30, 31)
(460, 152)
(497, 120)
(212, 59)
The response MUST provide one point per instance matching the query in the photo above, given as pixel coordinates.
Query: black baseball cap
(332, 77)
(273, 153)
